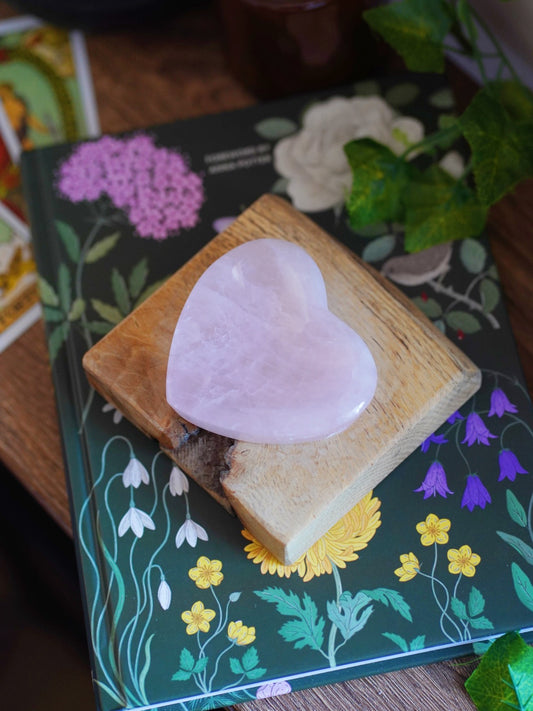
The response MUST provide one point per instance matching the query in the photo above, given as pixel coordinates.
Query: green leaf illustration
(391, 597)
(476, 602)
(308, 628)
(379, 248)
(520, 546)
(275, 128)
(236, 666)
(481, 623)
(149, 291)
(101, 248)
(379, 178)
(256, 673)
(402, 94)
(106, 311)
(490, 295)
(367, 87)
(415, 29)
(504, 676)
(250, 659)
(120, 292)
(47, 293)
(522, 585)
(76, 310)
(515, 509)
(430, 307)
(502, 147)
(473, 255)
(462, 321)
(70, 240)
(200, 665)
(56, 339)
(438, 209)
(181, 675)
(100, 328)
(64, 287)
(186, 660)
(400, 641)
(53, 315)
(352, 615)
(280, 186)
(459, 608)
(418, 642)
(442, 99)
(137, 278)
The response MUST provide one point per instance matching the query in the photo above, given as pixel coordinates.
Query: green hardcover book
(184, 608)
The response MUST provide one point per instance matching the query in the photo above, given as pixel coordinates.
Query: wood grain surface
(177, 70)
(268, 486)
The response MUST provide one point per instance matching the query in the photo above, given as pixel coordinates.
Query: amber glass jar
(277, 47)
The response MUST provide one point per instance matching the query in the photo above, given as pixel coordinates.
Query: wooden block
(288, 496)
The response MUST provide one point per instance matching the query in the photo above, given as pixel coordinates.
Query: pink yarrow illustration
(154, 186)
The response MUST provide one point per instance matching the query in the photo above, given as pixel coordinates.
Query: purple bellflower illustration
(509, 465)
(500, 403)
(476, 431)
(475, 493)
(435, 482)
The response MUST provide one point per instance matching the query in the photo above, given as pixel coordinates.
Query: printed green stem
(217, 661)
(513, 379)
(333, 629)
(465, 623)
(440, 288)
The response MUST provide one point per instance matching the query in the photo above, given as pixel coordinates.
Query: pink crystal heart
(258, 357)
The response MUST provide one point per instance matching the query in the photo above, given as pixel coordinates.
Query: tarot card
(46, 96)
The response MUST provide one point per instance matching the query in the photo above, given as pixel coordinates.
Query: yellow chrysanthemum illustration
(337, 547)
(463, 561)
(197, 618)
(206, 573)
(241, 633)
(410, 567)
(433, 530)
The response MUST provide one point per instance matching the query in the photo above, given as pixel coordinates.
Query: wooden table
(150, 75)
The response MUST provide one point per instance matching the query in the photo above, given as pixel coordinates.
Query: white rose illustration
(313, 159)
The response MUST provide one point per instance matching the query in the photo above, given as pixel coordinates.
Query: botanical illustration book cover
(184, 608)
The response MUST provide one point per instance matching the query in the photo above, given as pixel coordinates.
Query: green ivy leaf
(520, 546)
(491, 686)
(415, 29)
(47, 293)
(379, 248)
(476, 602)
(106, 311)
(515, 509)
(101, 248)
(490, 295)
(522, 585)
(275, 128)
(76, 310)
(70, 240)
(430, 307)
(438, 209)
(462, 321)
(379, 178)
(502, 147)
(137, 278)
(473, 255)
(515, 97)
(120, 292)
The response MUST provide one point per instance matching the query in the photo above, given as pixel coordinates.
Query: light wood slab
(290, 495)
